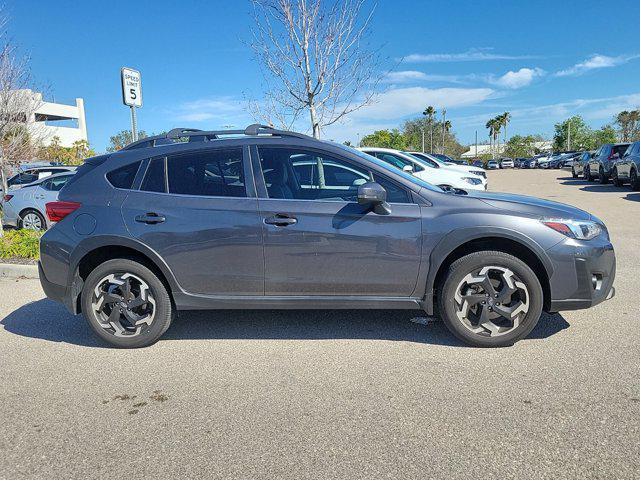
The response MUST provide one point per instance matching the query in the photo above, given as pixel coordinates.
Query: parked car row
(432, 169)
(616, 162)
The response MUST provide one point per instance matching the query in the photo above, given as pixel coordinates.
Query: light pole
(444, 128)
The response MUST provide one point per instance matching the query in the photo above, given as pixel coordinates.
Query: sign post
(132, 95)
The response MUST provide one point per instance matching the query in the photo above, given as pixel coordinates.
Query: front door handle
(150, 218)
(281, 220)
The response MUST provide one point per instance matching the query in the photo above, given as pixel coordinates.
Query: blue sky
(541, 60)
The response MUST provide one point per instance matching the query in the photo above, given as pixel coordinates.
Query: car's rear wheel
(615, 178)
(32, 220)
(633, 177)
(602, 177)
(490, 299)
(126, 304)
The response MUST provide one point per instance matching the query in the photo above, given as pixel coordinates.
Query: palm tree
(490, 126)
(430, 113)
(505, 118)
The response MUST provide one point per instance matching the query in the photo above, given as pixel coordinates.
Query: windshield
(426, 160)
(386, 166)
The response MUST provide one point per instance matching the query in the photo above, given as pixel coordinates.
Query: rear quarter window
(123, 177)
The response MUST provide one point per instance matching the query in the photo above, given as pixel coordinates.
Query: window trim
(259, 176)
(248, 175)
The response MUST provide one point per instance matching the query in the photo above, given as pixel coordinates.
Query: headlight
(472, 181)
(580, 229)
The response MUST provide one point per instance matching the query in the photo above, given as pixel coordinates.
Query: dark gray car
(277, 220)
(600, 166)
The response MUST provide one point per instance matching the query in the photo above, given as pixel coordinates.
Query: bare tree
(18, 105)
(314, 59)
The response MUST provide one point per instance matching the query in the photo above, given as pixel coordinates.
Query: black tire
(635, 181)
(163, 311)
(586, 173)
(471, 264)
(615, 179)
(31, 211)
(602, 177)
(573, 172)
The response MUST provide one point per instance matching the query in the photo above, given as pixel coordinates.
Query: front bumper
(583, 276)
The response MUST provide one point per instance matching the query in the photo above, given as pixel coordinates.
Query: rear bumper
(584, 277)
(68, 296)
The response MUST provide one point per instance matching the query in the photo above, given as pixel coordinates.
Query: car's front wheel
(126, 304)
(490, 299)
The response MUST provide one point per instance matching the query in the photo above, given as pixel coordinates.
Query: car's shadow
(50, 321)
(633, 197)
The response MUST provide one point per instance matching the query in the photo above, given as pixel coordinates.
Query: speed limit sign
(131, 87)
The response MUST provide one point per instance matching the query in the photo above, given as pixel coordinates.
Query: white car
(437, 163)
(506, 163)
(442, 177)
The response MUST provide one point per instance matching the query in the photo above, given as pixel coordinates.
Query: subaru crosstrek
(261, 218)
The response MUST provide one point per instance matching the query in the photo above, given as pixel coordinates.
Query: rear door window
(211, 173)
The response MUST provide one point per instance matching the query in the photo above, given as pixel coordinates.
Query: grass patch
(20, 244)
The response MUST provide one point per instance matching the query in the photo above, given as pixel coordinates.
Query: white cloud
(392, 106)
(472, 55)
(518, 79)
(221, 110)
(399, 102)
(404, 76)
(595, 62)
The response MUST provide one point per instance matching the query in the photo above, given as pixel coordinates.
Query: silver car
(25, 207)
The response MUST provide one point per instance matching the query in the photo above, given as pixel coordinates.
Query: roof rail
(195, 135)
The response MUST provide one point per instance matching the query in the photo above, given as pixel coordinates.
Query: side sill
(218, 302)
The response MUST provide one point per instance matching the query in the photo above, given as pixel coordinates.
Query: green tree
(413, 129)
(385, 139)
(122, 139)
(522, 146)
(581, 135)
(628, 125)
(429, 113)
(73, 155)
(606, 134)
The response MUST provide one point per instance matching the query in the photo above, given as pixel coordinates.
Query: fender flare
(92, 243)
(459, 237)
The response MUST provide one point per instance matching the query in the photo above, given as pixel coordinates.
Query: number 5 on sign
(131, 87)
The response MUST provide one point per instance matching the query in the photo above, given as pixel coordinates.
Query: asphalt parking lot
(337, 394)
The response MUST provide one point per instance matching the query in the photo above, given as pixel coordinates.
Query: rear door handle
(150, 218)
(281, 220)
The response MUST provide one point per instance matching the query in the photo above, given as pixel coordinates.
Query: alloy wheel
(123, 304)
(492, 301)
(32, 221)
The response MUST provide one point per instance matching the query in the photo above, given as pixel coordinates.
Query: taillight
(56, 211)
(6, 198)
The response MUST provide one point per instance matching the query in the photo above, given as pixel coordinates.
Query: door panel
(341, 248)
(212, 245)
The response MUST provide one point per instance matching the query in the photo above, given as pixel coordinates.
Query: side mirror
(372, 194)
(408, 168)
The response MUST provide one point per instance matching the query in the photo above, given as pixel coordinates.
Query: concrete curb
(14, 270)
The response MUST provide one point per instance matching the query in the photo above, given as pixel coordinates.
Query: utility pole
(476, 143)
(444, 120)
(424, 126)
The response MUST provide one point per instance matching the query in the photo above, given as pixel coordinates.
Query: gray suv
(262, 218)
